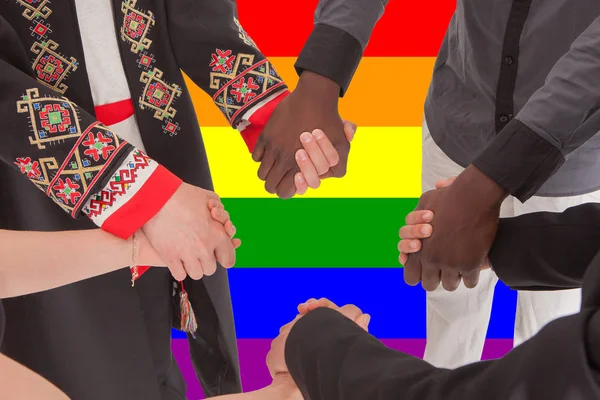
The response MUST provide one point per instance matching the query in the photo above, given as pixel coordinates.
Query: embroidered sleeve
(79, 163)
(213, 49)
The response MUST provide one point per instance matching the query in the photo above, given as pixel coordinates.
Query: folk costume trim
(239, 83)
(51, 68)
(54, 121)
(158, 95)
(135, 193)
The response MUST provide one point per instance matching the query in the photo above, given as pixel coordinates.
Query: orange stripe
(384, 92)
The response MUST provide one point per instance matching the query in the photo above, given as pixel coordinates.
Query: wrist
(318, 86)
(475, 184)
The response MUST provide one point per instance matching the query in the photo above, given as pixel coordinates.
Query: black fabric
(510, 62)
(331, 358)
(97, 339)
(547, 251)
(332, 53)
(519, 160)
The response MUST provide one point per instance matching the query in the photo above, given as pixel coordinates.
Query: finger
(219, 215)
(420, 231)
(268, 161)
(308, 169)
(403, 258)
(349, 130)
(321, 303)
(327, 148)
(363, 321)
(225, 252)
(409, 246)
(303, 308)
(450, 280)
(287, 187)
(471, 279)
(230, 228)
(419, 217)
(281, 167)
(412, 270)
(430, 278)
(214, 203)
(236, 243)
(444, 182)
(301, 184)
(177, 270)
(351, 311)
(259, 149)
(193, 267)
(207, 260)
(315, 153)
(340, 169)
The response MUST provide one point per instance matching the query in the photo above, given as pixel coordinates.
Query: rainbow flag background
(339, 241)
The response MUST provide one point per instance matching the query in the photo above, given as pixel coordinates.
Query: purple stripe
(254, 351)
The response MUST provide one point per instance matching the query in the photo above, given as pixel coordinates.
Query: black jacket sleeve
(214, 50)
(331, 358)
(546, 251)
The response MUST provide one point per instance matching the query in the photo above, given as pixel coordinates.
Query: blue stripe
(266, 299)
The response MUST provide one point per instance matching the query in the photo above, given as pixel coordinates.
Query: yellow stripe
(384, 163)
(386, 91)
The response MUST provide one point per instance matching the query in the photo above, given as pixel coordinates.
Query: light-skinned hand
(418, 227)
(187, 238)
(317, 158)
(276, 356)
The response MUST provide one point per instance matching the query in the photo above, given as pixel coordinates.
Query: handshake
(193, 231)
(276, 357)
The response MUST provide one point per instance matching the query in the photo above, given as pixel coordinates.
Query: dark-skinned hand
(464, 228)
(314, 104)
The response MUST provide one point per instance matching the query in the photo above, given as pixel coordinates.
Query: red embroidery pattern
(29, 168)
(98, 146)
(157, 95)
(222, 61)
(67, 191)
(239, 82)
(244, 90)
(55, 118)
(119, 184)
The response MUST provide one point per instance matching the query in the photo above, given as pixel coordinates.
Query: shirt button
(504, 118)
(508, 60)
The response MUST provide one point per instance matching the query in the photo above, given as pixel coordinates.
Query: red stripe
(259, 119)
(113, 113)
(151, 197)
(407, 29)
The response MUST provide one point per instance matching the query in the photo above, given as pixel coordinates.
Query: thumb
(349, 130)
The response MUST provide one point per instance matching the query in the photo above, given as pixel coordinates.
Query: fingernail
(300, 179)
(318, 134)
(428, 215)
(413, 245)
(426, 230)
(306, 137)
(302, 155)
(367, 319)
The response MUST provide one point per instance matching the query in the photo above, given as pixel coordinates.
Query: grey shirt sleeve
(341, 33)
(561, 116)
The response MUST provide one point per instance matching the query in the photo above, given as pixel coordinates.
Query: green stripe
(318, 232)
